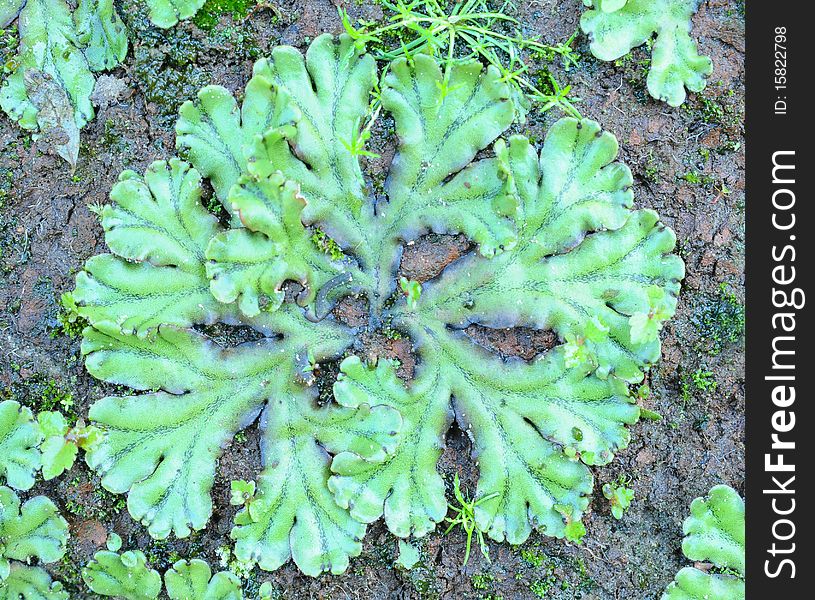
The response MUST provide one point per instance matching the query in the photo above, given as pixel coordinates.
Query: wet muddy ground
(689, 167)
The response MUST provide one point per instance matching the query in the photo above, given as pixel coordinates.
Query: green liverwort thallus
(558, 246)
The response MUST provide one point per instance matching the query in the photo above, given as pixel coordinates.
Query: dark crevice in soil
(325, 374)
(375, 345)
(352, 311)
(426, 257)
(521, 342)
(229, 336)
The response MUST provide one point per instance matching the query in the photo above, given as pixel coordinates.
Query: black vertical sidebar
(780, 253)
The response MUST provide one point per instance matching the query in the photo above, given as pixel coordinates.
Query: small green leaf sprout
(464, 517)
(360, 137)
(412, 291)
(114, 542)
(243, 492)
(578, 347)
(265, 591)
(576, 351)
(62, 442)
(559, 97)
(643, 392)
(574, 529)
(409, 555)
(646, 326)
(619, 496)
(313, 364)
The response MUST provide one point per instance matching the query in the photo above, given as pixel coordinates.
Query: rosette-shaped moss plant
(559, 247)
(714, 533)
(617, 26)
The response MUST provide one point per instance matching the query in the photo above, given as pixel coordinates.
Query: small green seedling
(412, 291)
(647, 325)
(464, 517)
(643, 393)
(619, 496)
(243, 492)
(62, 442)
(360, 137)
(574, 529)
(580, 349)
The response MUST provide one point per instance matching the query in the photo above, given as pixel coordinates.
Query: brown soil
(47, 231)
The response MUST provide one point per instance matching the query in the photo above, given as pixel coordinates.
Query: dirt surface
(689, 167)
